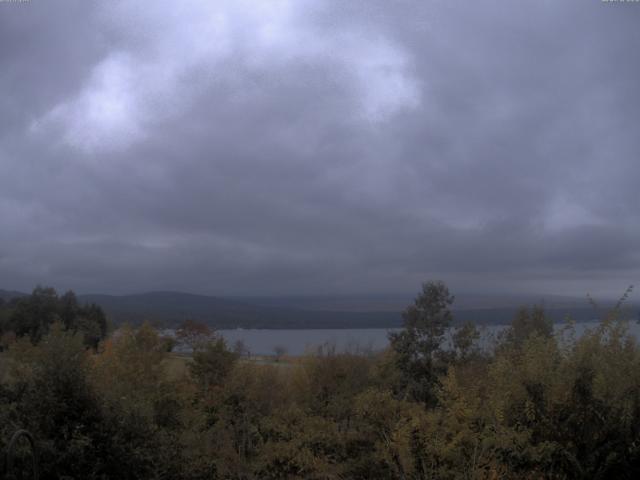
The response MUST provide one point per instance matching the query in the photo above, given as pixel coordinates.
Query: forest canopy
(538, 403)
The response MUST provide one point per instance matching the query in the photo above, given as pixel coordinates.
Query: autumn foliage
(537, 403)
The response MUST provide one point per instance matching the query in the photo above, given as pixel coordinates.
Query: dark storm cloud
(311, 146)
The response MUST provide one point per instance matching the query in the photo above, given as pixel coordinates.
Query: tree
(54, 399)
(34, 314)
(417, 347)
(279, 352)
(142, 407)
(240, 348)
(68, 309)
(4, 316)
(194, 334)
(464, 339)
(527, 322)
(212, 363)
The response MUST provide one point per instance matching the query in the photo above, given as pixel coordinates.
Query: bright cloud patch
(151, 79)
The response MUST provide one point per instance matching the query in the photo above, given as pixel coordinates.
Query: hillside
(9, 294)
(300, 312)
(172, 307)
(318, 312)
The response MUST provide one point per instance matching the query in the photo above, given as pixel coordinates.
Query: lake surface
(298, 342)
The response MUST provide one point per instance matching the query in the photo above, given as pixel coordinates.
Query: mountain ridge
(168, 308)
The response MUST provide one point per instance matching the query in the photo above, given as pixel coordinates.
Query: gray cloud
(317, 146)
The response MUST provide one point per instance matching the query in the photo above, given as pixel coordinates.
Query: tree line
(540, 403)
(33, 315)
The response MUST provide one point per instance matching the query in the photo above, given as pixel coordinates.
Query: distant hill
(300, 312)
(362, 311)
(397, 303)
(169, 308)
(9, 294)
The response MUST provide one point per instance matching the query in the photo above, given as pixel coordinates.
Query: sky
(320, 147)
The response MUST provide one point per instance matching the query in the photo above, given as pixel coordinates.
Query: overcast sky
(311, 146)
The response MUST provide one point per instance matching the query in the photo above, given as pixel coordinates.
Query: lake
(297, 342)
